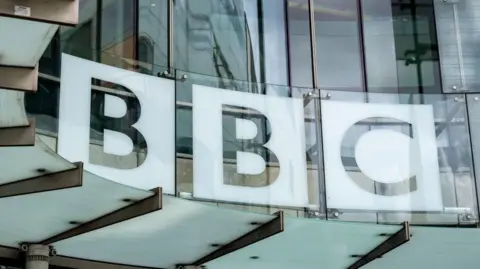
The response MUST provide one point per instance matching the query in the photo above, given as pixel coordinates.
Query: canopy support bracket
(394, 241)
(18, 136)
(48, 182)
(264, 231)
(136, 209)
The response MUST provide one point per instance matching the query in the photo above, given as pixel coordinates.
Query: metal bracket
(19, 78)
(49, 182)
(451, 1)
(18, 136)
(264, 231)
(397, 239)
(166, 74)
(142, 207)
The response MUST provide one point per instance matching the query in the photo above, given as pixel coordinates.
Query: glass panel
(141, 240)
(338, 45)
(458, 39)
(118, 32)
(228, 39)
(96, 197)
(43, 105)
(473, 102)
(153, 35)
(400, 46)
(333, 245)
(50, 61)
(246, 149)
(82, 41)
(108, 36)
(24, 162)
(300, 43)
(403, 157)
(433, 247)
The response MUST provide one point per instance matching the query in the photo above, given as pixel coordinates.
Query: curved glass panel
(388, 158)
(401, 157)
(334, 245)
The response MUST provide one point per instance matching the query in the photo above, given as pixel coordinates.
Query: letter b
(155, 124)
(274, 133)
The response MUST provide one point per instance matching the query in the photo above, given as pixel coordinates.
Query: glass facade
(354, 52)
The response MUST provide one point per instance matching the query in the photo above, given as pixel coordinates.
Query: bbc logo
(393, 168)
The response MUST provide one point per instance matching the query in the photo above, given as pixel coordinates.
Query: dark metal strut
(56, 181)
(264, 231)
(394, 241)
(18, 136)
(136, 209)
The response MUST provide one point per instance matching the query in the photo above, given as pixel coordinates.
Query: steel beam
(14, 257)
(262, 232)
(70, 262)
(64, 12)
(49, 182)
(136, 209)
(19, 78)
(397, 239)
(18, 136)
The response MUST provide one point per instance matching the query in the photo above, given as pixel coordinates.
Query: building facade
(391, 52)
(349, 117)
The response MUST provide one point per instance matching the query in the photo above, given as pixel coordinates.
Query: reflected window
(43, 105)
(300, 43)
(146, 55)
(106, 32)
(118, 32)
(401, 50)
(233, 40)
(153, 34)
(338, 45)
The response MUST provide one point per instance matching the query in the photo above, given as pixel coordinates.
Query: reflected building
(237, 131)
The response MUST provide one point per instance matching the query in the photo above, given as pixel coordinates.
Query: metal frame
(64, 12)
(63, 261)
(393, 241)
(313, 42)
(49, 182)
(264, 231)
(18, 136)
(142, 207)
(14, 257)
(19, 78)
(170, 47)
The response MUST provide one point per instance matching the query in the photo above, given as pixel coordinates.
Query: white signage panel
(380, 157)
(156, 123)
(286, 141)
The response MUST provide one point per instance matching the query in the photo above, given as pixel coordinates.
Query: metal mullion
(313, 43)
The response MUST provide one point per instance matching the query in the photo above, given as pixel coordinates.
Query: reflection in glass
(338, 45)
(43, 105)
(458, 27)
(401, 51)
(244, 132)
(153, 35)
(233, 40)
(106, 32)
(300, 43)
(425, 147)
